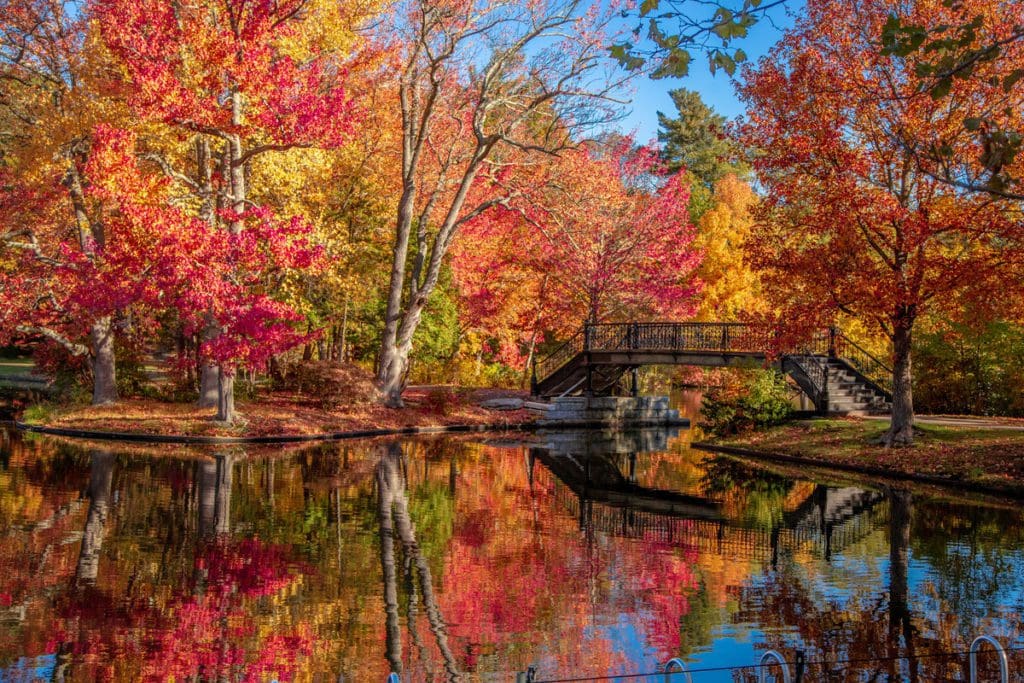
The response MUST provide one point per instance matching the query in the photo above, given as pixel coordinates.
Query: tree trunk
(226, 396)
(208, 381)
(343, 354)
(901, 429)
(391, 374)
(209, 374)
(104, 371)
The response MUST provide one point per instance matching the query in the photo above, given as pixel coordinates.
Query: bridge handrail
(675, 336)
(544, 367)
(864, 362)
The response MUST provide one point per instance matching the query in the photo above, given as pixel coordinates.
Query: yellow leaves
(329, 26)
(731, 287)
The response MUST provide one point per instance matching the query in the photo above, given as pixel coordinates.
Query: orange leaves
(851, 219)
(593, 234)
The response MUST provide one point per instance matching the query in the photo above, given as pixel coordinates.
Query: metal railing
(559, 357)
(863, 362)
(717, 337)
(792, 671)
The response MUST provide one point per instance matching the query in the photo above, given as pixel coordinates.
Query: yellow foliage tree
(731, 288)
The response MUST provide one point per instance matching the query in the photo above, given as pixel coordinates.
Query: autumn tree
(850, 222)
(478, 85)
(53, 70)
(240, 79)
(731, 288)
(595, 235)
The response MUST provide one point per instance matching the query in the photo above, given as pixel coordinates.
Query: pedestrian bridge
(836, 374)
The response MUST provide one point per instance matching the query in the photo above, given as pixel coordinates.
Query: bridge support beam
(634, 381)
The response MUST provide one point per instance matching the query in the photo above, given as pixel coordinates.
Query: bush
(442, 401)
(749, 399)
(329, 384)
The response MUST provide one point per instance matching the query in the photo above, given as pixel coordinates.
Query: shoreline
(1009, 490)
(975, 457)
(195, 439)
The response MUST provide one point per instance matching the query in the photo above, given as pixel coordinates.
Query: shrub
(442, 401)
(329, 384)
(748, 400)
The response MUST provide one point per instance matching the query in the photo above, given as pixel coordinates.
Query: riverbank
(984, 456)
(283, 413)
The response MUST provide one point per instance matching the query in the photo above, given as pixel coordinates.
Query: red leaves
(181, 61)
(594, 233)
(851, 220)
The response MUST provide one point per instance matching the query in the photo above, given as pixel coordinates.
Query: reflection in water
(215, 477)
(455, 561)
(100, 478)
(394, 515)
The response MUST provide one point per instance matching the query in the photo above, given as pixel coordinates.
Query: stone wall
(614, 410)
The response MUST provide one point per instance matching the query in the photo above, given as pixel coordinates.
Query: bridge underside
(606, 368)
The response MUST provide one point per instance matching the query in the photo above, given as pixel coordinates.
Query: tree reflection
(878, 632)
(100, 478)
(393, 515)
(202, 630)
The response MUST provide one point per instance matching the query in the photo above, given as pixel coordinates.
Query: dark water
(456, 559)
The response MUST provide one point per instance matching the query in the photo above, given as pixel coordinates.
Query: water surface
(580, 553)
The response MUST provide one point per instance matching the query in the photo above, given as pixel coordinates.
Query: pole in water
(679, 667)
(1004, 665)
(762, 672)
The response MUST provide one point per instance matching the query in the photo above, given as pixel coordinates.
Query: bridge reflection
(595, 477)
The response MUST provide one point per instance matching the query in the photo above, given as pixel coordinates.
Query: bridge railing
(691, 336)
(563, 354)
(865, 363)
(714, 338)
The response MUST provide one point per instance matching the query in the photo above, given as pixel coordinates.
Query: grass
(16, 367)
(39, 413)
(978, 455)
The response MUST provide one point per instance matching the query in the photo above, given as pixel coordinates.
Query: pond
(470, 559)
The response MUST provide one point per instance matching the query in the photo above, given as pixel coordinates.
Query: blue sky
(717, 91)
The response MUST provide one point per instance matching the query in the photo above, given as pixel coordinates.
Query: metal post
(762, 672)
(680, 669)
(634, 388)
(634, 334)
(1004, 665)
(833, 332)
(587, 334)
(533, 378)
(801, 662)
